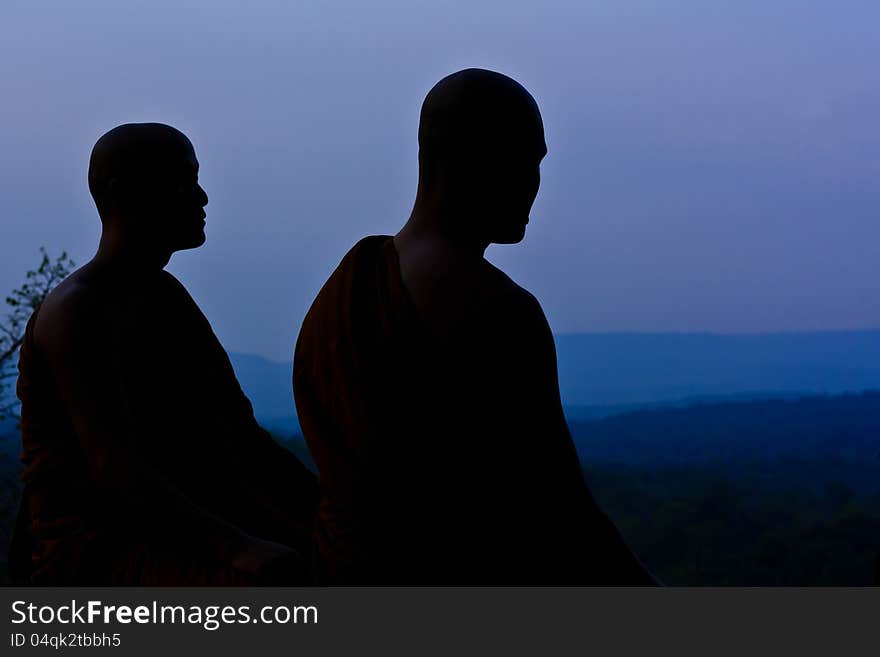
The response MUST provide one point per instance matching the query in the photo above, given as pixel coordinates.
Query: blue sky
(713, 166)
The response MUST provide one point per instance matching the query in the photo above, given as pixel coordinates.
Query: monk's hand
(270, 563)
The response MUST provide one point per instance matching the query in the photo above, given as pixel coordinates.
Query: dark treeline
(765, 492)
(841, 429)
(734, 526)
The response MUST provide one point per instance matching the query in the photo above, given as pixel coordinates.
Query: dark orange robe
(191, 423)
(439, 463)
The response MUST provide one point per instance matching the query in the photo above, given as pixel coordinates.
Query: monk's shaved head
(133, 154)
(474, 110)
(481, 141)
(144, 179)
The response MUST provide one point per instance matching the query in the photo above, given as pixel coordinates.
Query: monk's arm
(264, 474)
(282, 464)
(79, 350)
(272, 479)
(542, 381)
(259, 447)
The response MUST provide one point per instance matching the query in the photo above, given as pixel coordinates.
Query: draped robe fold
(188, 418)
(438, 462)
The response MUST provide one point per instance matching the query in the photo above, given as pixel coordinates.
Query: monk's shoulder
(168, 285)
(355, 269)
(504, 297)
(363, 257)
(168, 280)
(85, 308)
(73, 307)
(520, 343)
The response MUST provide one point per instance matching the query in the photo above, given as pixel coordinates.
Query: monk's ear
(121, 194)
(109, 201)
(437, 168)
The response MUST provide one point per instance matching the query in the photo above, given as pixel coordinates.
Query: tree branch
(16, 343)
(23, 301)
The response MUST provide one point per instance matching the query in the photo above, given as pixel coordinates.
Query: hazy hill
(602, 374)
(637, 368)
(269, 386)
(7, 427)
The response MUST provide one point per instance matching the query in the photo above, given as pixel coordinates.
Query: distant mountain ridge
(626, 368)
(602, 374)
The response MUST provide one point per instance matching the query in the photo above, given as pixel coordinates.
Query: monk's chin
(512, 236)
(192, 242)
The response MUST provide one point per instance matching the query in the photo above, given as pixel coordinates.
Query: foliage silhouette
(22, 302)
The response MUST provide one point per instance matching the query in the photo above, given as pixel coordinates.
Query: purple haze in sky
(713, 166)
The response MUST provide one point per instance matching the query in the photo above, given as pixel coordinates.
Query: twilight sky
(713, 165)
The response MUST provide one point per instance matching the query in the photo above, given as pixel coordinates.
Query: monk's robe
(439, 461)
(189, 421)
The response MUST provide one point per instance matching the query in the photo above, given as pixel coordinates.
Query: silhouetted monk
(426, 385)
(143, 462)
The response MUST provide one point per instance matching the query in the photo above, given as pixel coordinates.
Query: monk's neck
(121, 258)
(427, 228)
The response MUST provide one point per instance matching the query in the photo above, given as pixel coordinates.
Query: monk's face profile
(506, 184)
(170, 213)
(481, 142)
(144, 179)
